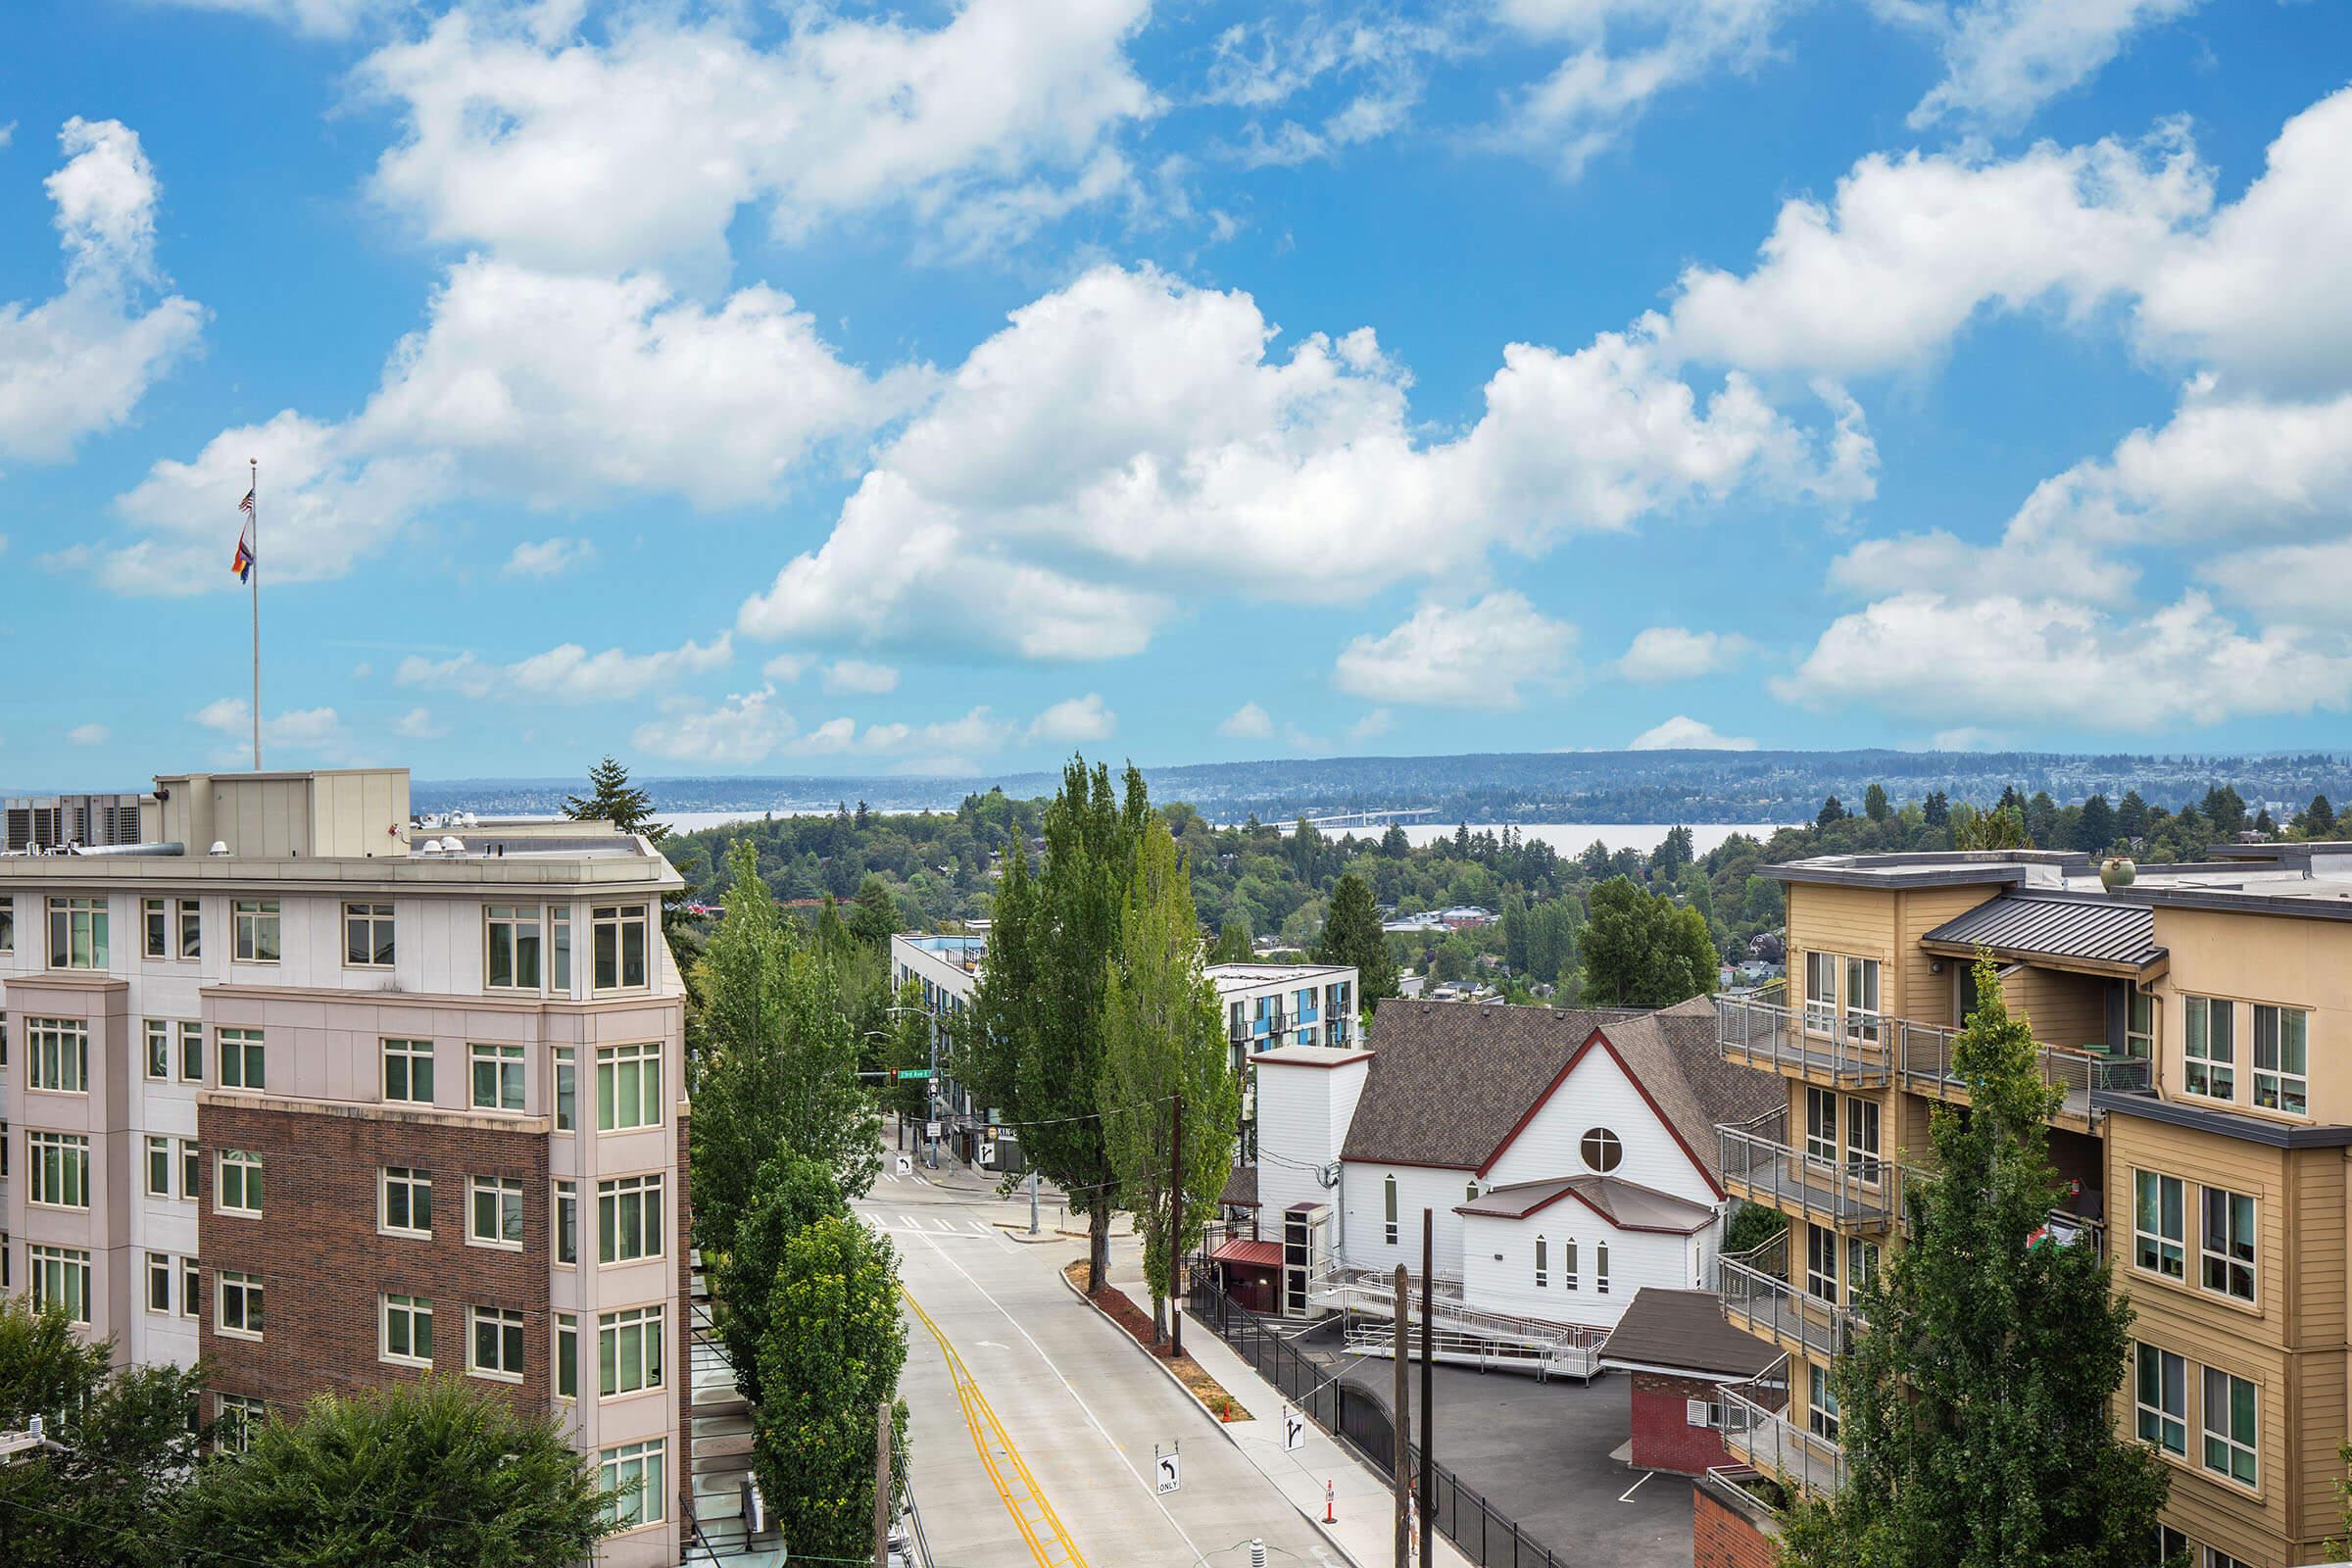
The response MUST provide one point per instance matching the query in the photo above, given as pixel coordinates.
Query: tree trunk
(1098, 1242)
(1160, 1318)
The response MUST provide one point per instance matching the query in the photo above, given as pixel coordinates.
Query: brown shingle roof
(1684, 1330)
(1449, 1084)
(1629, 1205)
(1241, 1188)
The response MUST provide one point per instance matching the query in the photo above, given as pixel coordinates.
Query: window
(239, 1419)
(1822, 1415)
(616, 938)
(559, 949)
(191, 1051)
(1542, 1263)
(61, 1277)
(628, 1087)
(61, 1168)
(1821, 1262)
(1821, 1126)
(1862, 1000)
(158, 1282)
(1862, 1137)
(159, 1048)
(1388, 1188)
(568, 1222)
(254, 927)
(1601, 1149)
(1861, 1264)
(407, 1334)
(567, 1355)
(368, 935)
(2225, 1242)
(495, 1214)
(2280, 1037)
(57, 1054)
(242, 1065)
(1470, 1191)
(155, 927)
(2160, 1396)
(568, 1087)
(629, 1219)
(77, 933)
(1568, 1274)
(191, 928)
(8, 923)
(631, 1478)
(2214, 1557)
(409, 1071)
(2211, 1050)
(1600, 1268)
(2157, 1226)
(2171, 1543)
(237, 1304)
(158, 1168)
(514, 956)
(2229, 1425)
(191, 1169)
(240, 1185)
(191, 1287)
(1820, 992)
(2139, 1026)
(628, 1351)
(496, 1348)
(497, 1077)
(408, 1200)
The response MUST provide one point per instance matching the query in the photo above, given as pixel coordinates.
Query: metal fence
(1361, 1421)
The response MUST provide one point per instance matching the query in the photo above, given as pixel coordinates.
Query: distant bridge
(1382, 817)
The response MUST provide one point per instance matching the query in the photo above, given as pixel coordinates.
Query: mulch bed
(1121, 1310)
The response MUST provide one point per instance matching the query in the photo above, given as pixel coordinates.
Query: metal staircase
(1464, 1335)
(719, 1453)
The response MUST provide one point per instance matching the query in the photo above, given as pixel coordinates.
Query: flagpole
(254, 572)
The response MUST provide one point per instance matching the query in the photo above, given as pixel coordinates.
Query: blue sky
(834, 388)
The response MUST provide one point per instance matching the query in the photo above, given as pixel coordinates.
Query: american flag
(243, 564)
(246, 505)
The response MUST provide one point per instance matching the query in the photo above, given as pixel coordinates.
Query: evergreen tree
(2226, 810)
(1832, 810)
(2095, 830)
(2263, 823)
(2042, 820)
(2319, 818)
(1394, 844)
(2130, 815)
(611, 798)
(874, 913)
(1162, 1036)
(1974, 1402)
(1352, 935)
(1232, 942)
(1937, 809)
(1874, 804)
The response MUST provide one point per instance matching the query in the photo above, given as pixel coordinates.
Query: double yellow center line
(1050, 1544)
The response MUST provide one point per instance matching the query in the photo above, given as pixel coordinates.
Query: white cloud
(857, 675)
(1075, 720)
(786, 668)
(1624, 54)
(318, 19)
(931, 746)
(2305, 583)
(2006, 658)
(2005, 59)
(745, 729)
(1374, 724)
(87, 734)
(1257, 66)
(567, 673)
(1684, 733)
(548, 558)
(1247, 722)
(1471, 656)
(80, 361)
(417, 724)
(1968, 738)
(1675, 653)
(641, 148)
(314, 733)
(1130, 437)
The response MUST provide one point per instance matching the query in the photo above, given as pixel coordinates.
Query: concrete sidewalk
(1362, 1502)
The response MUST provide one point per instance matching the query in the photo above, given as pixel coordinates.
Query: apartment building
(332, 1100)
(2195, 1021)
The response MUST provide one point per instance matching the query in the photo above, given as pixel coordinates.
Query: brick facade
(322, 1260)
(1721, 1537)
(1663, 1437)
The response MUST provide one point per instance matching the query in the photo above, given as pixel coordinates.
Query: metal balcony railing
(1777, 1037)
(1759, 1435)
(1859, 1194)
(1925, 1065)
(2062, 1227)
(1758, 1297)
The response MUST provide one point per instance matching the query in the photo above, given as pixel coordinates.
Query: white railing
(1576, 1360)
(1757, 1298)
(1776, 1037)
(1862, 1193)
(1925, 1063)
(1760, 1435)
(1375, 1294)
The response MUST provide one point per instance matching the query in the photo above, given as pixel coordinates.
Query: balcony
(1924, 1066)
(1777, 1037)
(1758, 1298)
(1862, 1195)
(1759, 1435)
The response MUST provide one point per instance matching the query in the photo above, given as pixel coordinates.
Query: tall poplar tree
(1975, 1406)
(1161, 1039)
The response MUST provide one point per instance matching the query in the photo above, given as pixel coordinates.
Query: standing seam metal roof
(2060, 926)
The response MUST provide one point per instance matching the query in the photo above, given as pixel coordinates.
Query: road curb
(1224, 1429)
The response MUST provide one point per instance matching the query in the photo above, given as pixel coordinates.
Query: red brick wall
(1663, 1437)
(1723, 1538)
(323, 1264)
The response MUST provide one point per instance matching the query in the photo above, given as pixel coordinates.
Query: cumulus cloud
(1075, 720)
(641, 147)
(787, 667)
(2005, 59)
(417, 724)
(1374, 724)
(548, 558)
(312, 733)
(1131, 437)
(80, 361)
(1247, 722)
(746, 728)
(857, 675)
(566, 673)
(1675, 653)
(1469, 655)
(87, 734)
(1683, 733)
(944, 747)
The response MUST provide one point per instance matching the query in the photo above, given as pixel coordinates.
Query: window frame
(649, 1505)
(413, 1054)
(564, 1074)
(60, 1044)
(2205, 1075)
(509, 1330)
(564, 1245)
(648, 1058)
(1862, 1025)
(414, 1309)
(368, 914)
(191, 1164)
(567, 1357)
(2139, 1044)
(1600, 1268)
(1543, 1264)
(2240, 1244)
(255, 924)
(513, 919)
(191, 1051)
(1388, 1204)
(651, 1192)
(157, 1146)
(412, 1181)
(251, 1295)
(1607, 1143)
(155, 1060)
(72, 1266)
(2284, 1086)
(2150, 1364)
(187, 919)
(2167, 1248)
(499, 1060)
(649, 1327)
(73, 916)
(164, 1266)
(57, 1166)
(1823, 1417)
(2231, 1446)
(249, 1049)
(621, 921)
(499, 1189)
(249, 1183)
(1819, 1013)
(233, 1418)
(155, 928)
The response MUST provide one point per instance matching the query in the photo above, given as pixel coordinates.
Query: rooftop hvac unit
(1305, 1255)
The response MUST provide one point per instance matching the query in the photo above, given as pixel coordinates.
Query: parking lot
(1540, 1453)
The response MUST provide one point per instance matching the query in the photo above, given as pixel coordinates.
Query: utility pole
(882, 1485)
(1429, 1379)
(1404, 1424)
(1176, 1233)
(1033, 1200)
